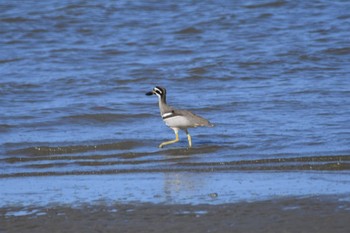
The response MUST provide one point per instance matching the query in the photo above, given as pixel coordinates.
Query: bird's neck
(162, 104)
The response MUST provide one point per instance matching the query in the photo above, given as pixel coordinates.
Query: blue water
(273, 76)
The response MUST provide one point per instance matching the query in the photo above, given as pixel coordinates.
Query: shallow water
(171, 188)
(273, 76)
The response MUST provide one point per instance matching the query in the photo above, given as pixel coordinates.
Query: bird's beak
(150, 93)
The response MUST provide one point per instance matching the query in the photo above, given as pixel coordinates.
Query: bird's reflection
(182, 184)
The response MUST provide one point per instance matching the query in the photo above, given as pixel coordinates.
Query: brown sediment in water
(281, 215)
(61, 150)
(178, 161)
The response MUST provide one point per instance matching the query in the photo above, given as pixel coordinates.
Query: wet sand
(289, 201)
(312, 214)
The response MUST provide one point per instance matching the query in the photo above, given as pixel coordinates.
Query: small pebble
(213, 195)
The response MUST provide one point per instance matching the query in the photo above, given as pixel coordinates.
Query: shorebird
(177, 119)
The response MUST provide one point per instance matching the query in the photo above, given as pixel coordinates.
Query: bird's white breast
(177, 122)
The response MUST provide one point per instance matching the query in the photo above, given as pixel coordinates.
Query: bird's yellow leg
(172, 141)
(189, 139)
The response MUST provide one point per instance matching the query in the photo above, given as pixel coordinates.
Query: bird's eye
(159, 92)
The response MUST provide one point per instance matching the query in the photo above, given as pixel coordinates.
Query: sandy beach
(177, 202)
(314, 214)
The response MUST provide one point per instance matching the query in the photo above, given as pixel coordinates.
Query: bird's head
(159, 91)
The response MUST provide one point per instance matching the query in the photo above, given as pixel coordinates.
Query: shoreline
(311, 214)
(177, 202)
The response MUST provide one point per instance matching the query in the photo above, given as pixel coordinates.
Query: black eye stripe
(158, 90)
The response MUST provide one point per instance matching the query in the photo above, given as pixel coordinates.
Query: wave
(105, 117)
(47, 150)
(274, 4)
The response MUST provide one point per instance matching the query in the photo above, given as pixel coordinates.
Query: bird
(177, 119)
